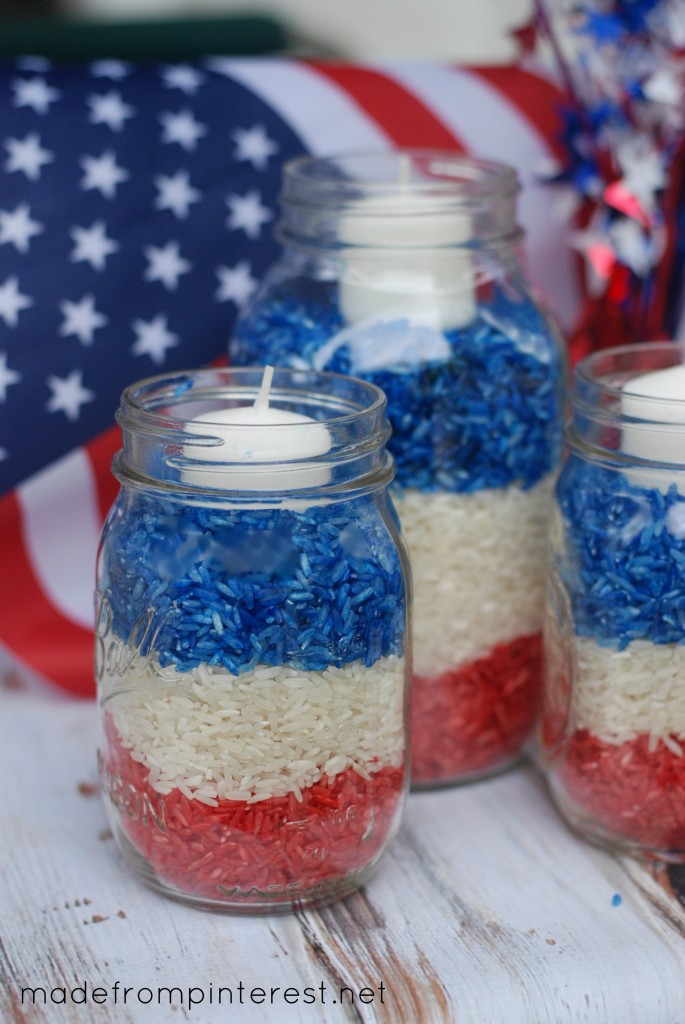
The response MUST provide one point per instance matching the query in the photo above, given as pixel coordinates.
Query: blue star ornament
(137, 206)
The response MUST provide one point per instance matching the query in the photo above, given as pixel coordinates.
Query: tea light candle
(262, 436)
(407, 260)
(658, 399)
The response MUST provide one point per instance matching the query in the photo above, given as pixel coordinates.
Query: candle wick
(262, 399)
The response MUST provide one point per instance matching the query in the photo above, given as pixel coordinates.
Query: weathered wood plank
(486, 911)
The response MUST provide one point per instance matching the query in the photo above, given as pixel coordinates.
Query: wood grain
(486, 911)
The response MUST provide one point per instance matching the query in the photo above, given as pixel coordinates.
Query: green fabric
(182, 39)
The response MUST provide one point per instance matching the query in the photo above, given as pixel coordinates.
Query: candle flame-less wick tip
(262, 399)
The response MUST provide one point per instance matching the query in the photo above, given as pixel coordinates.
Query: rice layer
(266, 733)
(477, 563)
(619, 695)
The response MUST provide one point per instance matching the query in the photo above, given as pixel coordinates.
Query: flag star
(176, 193)
(7, 376)
(166, 265)
(12, 301)
(110, 109)
(182, 128)
(114, 69)
(247, 213)
(236, 284)
(103, 173)
(184, 77)
(153, 338)
(93, 245)
(81, 318)
(27, 155)
(68, 394)
(35, 93)
(254, 144)
(18, 228)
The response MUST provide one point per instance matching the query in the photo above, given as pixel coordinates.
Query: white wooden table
(486, 911)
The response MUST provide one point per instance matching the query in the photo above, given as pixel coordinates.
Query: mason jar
(612, 731)
(403, 269)
(252, 652)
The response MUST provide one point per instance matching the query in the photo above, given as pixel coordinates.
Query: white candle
(658, 398)
(410, 261)
(258, 436)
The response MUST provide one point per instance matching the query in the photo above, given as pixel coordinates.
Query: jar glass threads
(252, 650)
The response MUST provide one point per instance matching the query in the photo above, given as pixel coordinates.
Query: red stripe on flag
(101, 450)
(31, 626)
(404, 118)
(539, 101)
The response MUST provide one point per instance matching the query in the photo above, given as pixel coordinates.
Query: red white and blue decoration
(137, 211)
(622, 65)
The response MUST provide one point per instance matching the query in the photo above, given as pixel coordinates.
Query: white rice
(263, 734)
(477, 563)
(618, 695)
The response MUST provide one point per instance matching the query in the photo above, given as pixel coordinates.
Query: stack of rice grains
(254, 742)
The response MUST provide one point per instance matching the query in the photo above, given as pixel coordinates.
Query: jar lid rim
(456, 176)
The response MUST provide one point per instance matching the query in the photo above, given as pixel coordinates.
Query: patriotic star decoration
(81, 319)
(12, 301)
(103, 173)
(183, 77)
(166, 265)
(34, 93)
(254, 144)
(17, 227)
(248, 213)
(599, 253)
(109, 109)
(93, 245)
(68, 394)
(153, 338)
(236, 284)
(28, 156)
(636, 250)
(175, 193)
(7, 376)
(643, 173)
(182, 128)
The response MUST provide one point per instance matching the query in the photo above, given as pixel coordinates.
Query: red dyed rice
(625, 792)
(240, 852)
(476, 718)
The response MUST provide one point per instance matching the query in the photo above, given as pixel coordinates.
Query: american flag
(137, 210)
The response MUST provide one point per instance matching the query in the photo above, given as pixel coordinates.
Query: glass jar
(251, 647)
(402, 269)
(612, 730)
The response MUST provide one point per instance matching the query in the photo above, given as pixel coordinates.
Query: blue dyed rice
(623, 569)
(239, 588)
(487, 417)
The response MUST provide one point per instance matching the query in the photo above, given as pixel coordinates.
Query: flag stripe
(407, 121)
(319, 112)
(61, 528)
(101, 450)
(54, 646)
(538, 101)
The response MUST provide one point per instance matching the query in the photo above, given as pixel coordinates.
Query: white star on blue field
(137, 211)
